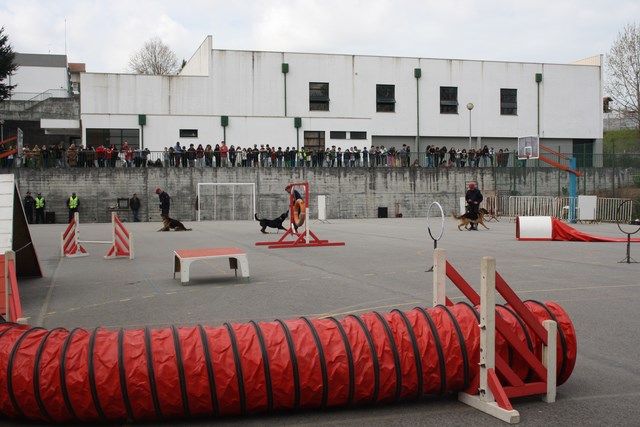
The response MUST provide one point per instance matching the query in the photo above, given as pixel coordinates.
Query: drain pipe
(285, 70)
(538, 81)
(417, 73)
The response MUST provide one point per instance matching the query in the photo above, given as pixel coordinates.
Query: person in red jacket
(224, 154)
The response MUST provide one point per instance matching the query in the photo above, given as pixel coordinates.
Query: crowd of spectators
(459, 158)
(221, 155)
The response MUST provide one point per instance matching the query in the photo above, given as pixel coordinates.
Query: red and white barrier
(547, 364)
(121, 240)
(70, 240)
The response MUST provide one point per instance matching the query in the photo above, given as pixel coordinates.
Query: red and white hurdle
(490, 394)
(121, 240)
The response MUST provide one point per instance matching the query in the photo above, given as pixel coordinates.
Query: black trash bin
(383, 213)
(50, 217)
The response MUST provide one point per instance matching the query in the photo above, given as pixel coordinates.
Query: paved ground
(382, 267)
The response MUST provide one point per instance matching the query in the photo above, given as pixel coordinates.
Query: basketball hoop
(528, 148)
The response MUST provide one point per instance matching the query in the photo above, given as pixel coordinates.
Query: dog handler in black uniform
(473, 198)
(165, 202)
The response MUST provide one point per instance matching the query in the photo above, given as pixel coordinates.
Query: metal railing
(158, 158)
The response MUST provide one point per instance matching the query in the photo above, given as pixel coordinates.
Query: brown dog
(170, 223)
(466, 221)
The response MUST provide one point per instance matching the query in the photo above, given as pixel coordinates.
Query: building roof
(77, 67)
(40, 60)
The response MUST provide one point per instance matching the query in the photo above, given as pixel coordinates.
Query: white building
(39, 77)
(289, 99)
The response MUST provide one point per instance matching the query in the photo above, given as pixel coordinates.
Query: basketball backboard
(528, 148)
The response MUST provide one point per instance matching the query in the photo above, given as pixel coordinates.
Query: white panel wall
(198, 64)
(32, 81)
(337, 70)
(572, 102)
(249, 88)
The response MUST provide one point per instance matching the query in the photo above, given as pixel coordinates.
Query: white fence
(606, 208)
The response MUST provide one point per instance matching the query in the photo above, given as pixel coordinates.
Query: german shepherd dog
(272, 223)
(466, 220)
(172, 224)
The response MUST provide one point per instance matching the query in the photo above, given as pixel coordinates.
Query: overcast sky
(104, 34)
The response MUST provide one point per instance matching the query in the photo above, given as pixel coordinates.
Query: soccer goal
(226, 201)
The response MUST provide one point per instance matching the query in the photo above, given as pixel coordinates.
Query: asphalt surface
(383, 266)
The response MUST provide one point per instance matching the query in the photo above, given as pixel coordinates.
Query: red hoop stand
(307, 238)
(489, 395)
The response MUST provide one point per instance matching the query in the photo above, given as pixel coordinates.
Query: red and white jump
(121, 240)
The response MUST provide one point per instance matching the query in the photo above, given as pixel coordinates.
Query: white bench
(183, 259)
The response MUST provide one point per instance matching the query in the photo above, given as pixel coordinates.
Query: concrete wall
(351, 193)
(51, 108)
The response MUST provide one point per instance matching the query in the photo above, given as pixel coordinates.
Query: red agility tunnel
(151, 374)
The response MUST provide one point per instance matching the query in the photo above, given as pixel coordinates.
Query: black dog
(272, 223)
(170, 223)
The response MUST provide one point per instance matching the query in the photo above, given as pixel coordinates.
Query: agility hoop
(435, 239)
(628, 258)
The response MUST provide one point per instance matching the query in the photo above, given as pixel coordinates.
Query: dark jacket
(134, 203)
(473, 198)
(29, 203)
(165, 202)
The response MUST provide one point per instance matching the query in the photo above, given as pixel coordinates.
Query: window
(314, 140)
(188, 133)
(334, 134)
(385, 98)
(106, 137)
(509, 102)
(357, 135)
(319, 96)
(448, 100)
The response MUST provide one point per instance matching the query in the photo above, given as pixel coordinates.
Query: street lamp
(470, 107)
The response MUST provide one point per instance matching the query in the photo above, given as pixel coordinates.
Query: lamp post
(470, 107)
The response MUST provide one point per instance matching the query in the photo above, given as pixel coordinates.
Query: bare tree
(154, 57)
(623, 67)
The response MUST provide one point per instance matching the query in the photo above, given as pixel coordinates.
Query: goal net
(226, 201)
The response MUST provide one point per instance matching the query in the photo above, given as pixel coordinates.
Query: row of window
(338, 134)
(386, 99)
(193, 133)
